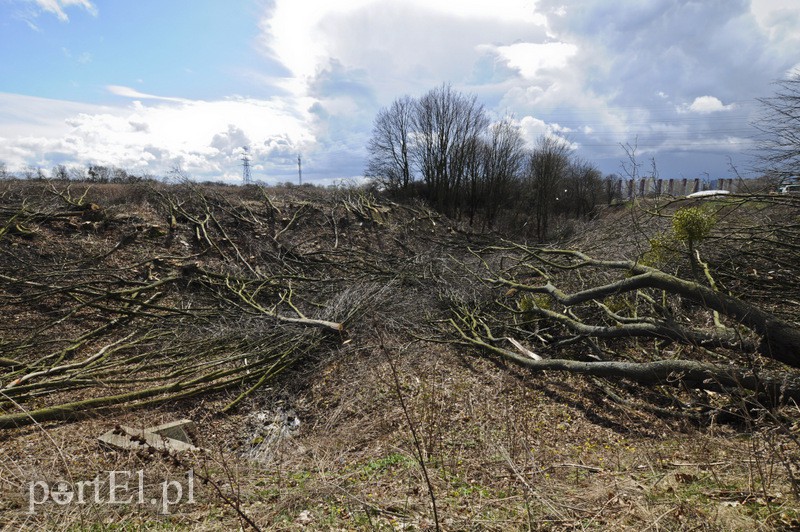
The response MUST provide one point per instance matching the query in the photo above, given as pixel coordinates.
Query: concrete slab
(168, 437)
(177, 430)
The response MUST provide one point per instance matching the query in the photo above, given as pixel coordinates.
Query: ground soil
(385, 426)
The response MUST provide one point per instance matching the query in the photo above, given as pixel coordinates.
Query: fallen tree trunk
(772, 387)
(205, 384)
(780, 339)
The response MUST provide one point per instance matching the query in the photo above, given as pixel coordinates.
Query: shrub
(692, 224)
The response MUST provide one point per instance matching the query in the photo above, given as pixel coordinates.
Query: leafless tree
(99, 173)
(473, 155)
(32, 172)
(504, 159)
(778, 147)
(447, 124)
(445, 136)
(60, 172)
(77, 173)
(547, 167)
(585, 189)
(473, 169)
(391, 143)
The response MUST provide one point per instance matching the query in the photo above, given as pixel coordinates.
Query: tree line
(445, 148)
(92, 173)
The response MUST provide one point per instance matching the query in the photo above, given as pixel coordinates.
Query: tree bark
(773, 387)
(780, 339)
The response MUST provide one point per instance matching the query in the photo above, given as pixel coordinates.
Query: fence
(670, 187)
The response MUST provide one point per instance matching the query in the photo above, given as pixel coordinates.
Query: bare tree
(504, 159)
(32, 172)
(469, 168)
(779, 144)
(613, 188)
(59, 172)
(547, 167)
(447, 123)
(99, 173)
(77, 173)
(390, 145)
(584, 189)
(473, 157)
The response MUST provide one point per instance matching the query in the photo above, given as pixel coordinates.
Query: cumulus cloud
(403, 47)
(530, 58)
(706, 105)
(230, 141)
(533, 129)
(779, 20)
(350, 58)
(202, 137)
(662, 74)
(637, 72)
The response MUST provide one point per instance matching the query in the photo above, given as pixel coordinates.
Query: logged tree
(566, 310)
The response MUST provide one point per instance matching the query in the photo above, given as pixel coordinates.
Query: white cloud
(347, 59)
(396, 41)
(778, 19)
(128, 92)
(204, 138)
(531, 58)
(58, 7)
(705, 105)
(533, 128)
(598, 72)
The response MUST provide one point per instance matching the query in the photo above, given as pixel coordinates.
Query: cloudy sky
(151, 85)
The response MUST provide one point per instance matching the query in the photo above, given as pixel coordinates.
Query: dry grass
(505, 452)
(505, 449)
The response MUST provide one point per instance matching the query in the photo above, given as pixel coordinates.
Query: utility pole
(246, 177)
(299, 171)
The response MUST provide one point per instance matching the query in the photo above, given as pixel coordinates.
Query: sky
(155, 86)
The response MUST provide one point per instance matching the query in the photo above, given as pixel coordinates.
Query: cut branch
(780, 338)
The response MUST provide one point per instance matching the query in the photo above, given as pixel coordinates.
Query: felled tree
(555, 299)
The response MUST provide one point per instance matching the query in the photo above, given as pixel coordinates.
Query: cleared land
(347, 362)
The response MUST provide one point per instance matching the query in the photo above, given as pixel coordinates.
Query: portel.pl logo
(113, 487)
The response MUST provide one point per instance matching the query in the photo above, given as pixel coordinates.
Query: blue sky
(150, 86)
(188, 48)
